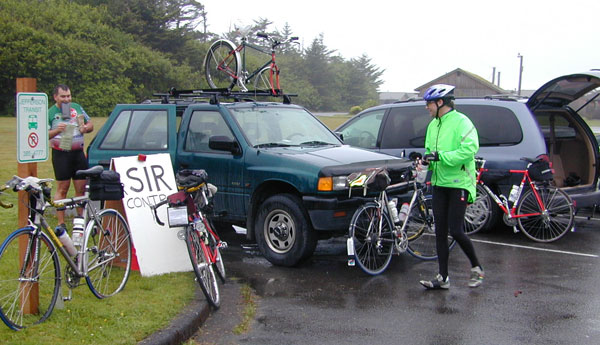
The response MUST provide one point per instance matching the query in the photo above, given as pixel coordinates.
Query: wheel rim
(12, 289)
(262, 80)
(551, 224)
(205, 275)
(421, 236)
(280, 231)
(372, 250)
(477, 214)
(219, 78)
(109, 255)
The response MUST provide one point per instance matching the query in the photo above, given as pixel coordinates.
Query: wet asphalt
(533, 293)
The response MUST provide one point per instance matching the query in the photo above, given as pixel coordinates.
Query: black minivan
(549, 122)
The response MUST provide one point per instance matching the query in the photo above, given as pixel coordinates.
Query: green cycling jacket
(455, 139)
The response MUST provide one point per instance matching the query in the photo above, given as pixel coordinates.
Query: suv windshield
(277, 126)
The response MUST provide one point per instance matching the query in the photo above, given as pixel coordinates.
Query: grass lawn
(144, 306)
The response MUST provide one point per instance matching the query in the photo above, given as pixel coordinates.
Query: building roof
(457, 77)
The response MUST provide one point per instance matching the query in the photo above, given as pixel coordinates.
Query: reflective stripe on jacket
(455, 139)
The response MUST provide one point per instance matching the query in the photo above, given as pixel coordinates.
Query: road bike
(543, 212)
(377, 230)
(225, 65)
(30, 268)
(188, 208)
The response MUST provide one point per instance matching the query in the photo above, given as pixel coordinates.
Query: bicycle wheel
(222, 65)
(262, 81)
(212, 242)
(552, 223)
(108, 252)
(479, 212)
(16, 286)
(372, 247)
(205, 274)
(420, 231)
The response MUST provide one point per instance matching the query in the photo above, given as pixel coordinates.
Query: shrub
(355, 110)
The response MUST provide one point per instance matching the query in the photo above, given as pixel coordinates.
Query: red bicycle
(225, 65)
(187, 208)
(543, 212)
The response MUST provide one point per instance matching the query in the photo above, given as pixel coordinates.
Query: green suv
(279, 171)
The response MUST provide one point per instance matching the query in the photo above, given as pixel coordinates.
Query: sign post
(30, 301)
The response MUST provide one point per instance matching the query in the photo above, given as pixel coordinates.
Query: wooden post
(30, 294)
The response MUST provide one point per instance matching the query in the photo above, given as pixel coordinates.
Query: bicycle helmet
(439, 91)
(190, 178)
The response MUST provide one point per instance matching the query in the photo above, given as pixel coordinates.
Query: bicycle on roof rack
(225, 65)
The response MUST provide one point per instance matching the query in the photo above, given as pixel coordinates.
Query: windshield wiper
(272, 145)
(315, 143)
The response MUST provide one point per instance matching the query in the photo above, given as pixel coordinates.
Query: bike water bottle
(403, 212)
(393, 210)
(64, 238)
(78, 224)
(512, 197)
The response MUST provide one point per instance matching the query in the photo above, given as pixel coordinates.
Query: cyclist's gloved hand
(431, 157)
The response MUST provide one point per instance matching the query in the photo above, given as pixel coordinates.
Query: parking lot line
(534, 248)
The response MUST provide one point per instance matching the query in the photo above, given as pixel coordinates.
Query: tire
(552, 224)
(372, 248)
(108, 251)
(421, 235)
(219, 52)
(205, 274)
(479, 214)
(262, 81)
(11, 288)
(283, 232)
(219, 264)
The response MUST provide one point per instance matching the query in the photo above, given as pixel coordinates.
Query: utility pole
(520, 57)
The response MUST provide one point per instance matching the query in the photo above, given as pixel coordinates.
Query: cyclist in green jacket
(450, 146)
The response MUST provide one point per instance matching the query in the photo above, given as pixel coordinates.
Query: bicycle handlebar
(155, 214)
(27, 184)
(274, 41)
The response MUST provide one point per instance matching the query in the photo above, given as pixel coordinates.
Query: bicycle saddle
(90, 172)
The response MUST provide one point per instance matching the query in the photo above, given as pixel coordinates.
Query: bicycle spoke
(36, 285)
(550, 224)
(372, 247)
(109, 254)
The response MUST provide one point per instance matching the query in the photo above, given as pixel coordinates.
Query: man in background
(68, 122)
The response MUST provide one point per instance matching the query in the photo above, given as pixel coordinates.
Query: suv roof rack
(174, 95)
(505, 97)
(502, 97)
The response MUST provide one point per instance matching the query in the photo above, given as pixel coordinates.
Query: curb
(182, 327)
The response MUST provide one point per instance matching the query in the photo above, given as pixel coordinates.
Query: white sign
(146, 183)
(32, 127)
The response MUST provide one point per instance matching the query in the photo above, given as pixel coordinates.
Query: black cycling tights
(449, 205)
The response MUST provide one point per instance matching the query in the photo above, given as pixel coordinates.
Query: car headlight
(327, 184)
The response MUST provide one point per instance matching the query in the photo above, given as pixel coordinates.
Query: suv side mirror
(340, 135)
(224, 143)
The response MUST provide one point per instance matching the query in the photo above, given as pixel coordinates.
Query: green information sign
(32, 127)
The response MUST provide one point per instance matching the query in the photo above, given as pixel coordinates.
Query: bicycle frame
(209, 253)
(503, 205)
(274, 69)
